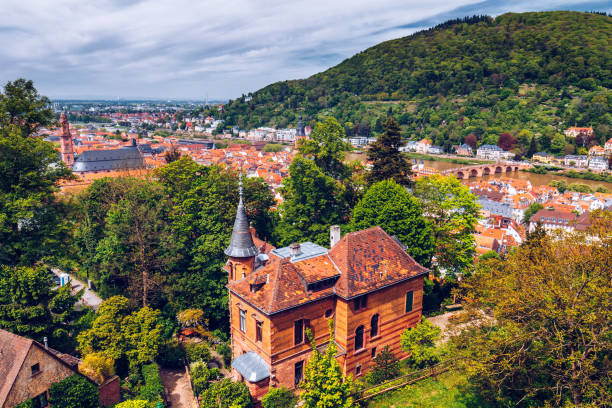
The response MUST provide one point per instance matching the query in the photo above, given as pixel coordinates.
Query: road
(89, 298)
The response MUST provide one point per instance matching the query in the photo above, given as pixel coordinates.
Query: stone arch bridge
(463, 173)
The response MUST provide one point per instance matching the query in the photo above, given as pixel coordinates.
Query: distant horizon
(150, 50)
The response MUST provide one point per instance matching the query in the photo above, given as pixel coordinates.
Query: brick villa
(366, 283)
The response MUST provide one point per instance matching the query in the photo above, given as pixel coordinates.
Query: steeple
(300, 127)
(241, 244)
(67, 150)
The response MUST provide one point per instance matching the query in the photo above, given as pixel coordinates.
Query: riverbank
(466, 162)
(583, 175)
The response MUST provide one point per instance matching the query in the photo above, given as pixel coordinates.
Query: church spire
(241, 244)
(67, 150)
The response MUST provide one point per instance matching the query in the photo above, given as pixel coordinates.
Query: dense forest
(528, 74)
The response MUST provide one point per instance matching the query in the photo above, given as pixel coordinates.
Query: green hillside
(526, 74)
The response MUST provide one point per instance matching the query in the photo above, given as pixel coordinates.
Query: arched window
(359, 338)
(374, 326)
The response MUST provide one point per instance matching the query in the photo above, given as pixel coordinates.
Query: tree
(75, 391)
(530, 211)
(23, 107)
(388, 205)
(533, 147)
(278, 398)
(32, 220)
(540, 321)
(561, 185)
(506, 141)
(326, 147)
(558, 143)
(387, 160)
(471, 140)
(420, 342)
(134, 337)
(313, 202)
(387, 367)
(30, 307)
(453, 212)
(323, 385)
(227, 394)
(133, 404)
(172, 155)
(97, 366)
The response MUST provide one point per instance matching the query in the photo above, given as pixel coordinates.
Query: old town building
(366, 284)
(67, 150)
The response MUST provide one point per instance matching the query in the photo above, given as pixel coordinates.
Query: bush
(171, 355)
(227, 394)
(279, 398)
(226, 352)
(202, 376)
(133, 404)
(97, 366)
(26, 404)
(153, 389)
(386, 368)
(197, 352)
(273, 147)
(75, 391)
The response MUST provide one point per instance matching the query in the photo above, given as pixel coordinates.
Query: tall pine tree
(387, 160)
(533, 147)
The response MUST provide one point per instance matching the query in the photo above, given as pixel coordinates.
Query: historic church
(365, 282)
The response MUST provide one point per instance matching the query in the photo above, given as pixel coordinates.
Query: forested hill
(466, 67)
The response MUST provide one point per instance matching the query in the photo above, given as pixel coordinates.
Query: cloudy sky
(219, 48)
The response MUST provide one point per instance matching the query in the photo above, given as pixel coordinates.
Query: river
(535, 179)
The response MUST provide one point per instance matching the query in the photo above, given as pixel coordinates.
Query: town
(425, 224)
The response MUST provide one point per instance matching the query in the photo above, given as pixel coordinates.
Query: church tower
(241, 250)
(67, 150)
(300, 133)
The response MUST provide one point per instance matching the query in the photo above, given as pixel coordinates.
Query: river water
(535, 179)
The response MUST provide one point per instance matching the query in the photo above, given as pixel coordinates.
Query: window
(298, 331)
(360, 302)
(373, 352)
(374, 326)
(409, 299)
(231, 268)
(328, 313)
(243, 321)
(298, 372)
(40, 401)
(358, 369)
(359, 338)
(35, 369)
(258, 330)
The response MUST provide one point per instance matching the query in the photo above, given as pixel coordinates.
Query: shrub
(97, 366)
(26, 404)
(386, 368)
(227, 394)
(279, 398)
(171, 355)
(226, 352)
(197, 352)
(153, 389)
(75, 391)
(133, 404)
(202, 376)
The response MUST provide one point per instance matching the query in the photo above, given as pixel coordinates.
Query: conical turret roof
(241, 244)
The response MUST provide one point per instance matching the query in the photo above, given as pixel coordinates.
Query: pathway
(178, 388)
(89, 298)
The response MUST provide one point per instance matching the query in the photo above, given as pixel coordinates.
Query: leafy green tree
(133, 404)
(453, 212)
(533, 147)
(273, 147)
(558, 143)
(387, 367)
(489, 255)
(75, 391)
(97, 366)
(202, 376)
(134, 337)
(530, 211)
(278, 398)
(21, 105)
(390, 206)
(560, 184)
(539, 321)
(420, 342)
(32, 223)
(313, 202)
(30, 307)
(326, 147)
(323, 385)
(387, 161)
(227, 394)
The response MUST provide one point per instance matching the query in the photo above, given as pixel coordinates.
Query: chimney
(334, 235)
(46, 343)
(295, 249)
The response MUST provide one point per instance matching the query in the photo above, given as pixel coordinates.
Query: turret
(67, 150)
(241, 250)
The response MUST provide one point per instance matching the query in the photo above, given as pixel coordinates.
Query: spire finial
(240, 184)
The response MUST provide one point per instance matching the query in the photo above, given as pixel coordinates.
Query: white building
(492, 152)
(573, 160)
(598, 163)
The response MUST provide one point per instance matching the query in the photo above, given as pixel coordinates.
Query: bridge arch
(508, 169)
(486, 171)
(474, 173)
(498, 169)
(460, 175)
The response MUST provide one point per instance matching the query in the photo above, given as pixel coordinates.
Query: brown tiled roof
(362, 261)
(370, 259)
(13, 351)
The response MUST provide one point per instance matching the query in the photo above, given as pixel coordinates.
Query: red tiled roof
(13, 351)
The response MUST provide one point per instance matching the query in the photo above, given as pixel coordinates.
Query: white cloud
(186, 48)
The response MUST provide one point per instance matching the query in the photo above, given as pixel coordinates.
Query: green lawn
(451, 390)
